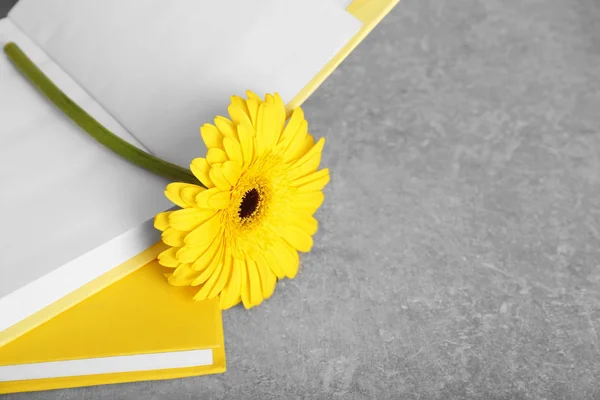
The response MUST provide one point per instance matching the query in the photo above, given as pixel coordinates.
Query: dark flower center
(249, 203)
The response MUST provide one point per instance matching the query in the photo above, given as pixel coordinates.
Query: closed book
(138, 328)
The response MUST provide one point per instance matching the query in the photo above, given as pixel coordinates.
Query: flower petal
(279, 109)
(183, 276)
(216, 156)
(200, 169)
(179, 280)
(161, 220)
(267, 278)
(266, 131)
(307, 201)
(209, 284)
(309, 142)
(188, 219)
(189, 254)
(202, 198)
(238, 114)
(223, 277)
(272, 262)
(312, 182)
(168, 258)
(231, 171)
(240, 103)
(225, 126)
(216, 175)
(233, 150)
(184, 270)
(232, 291)
(214, 268)
(307, 223)
(297, 238)
(204, 233)
(288, 258)
(251, 95)
(281, 113)
(211, 136)
(292, 127)
(254, 282)
(213, 286)
(173, 193)
(246, 134)
(226, 306)
(253, 105)
(207, 257)
(219, 200)
(245, 285)
(189, 193)
(173, 237)
(294, 150)
(308, 163)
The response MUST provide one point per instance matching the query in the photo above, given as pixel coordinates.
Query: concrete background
(458, 255)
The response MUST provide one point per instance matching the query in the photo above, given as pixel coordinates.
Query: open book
(152, 72)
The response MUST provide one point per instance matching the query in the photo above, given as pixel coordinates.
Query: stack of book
(82, 299)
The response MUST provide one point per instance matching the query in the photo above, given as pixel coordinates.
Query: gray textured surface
(458, 256)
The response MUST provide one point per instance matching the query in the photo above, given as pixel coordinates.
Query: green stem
(90, 125)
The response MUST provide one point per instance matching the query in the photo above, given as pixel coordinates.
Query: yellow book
(136, 329)
(135, 316)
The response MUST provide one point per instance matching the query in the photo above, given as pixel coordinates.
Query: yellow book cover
(139, 328)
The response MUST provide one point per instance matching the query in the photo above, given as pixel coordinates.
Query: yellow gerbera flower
(242, 232)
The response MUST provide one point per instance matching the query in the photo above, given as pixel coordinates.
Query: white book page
(164, 68)
(63, 194)
(107, 365)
